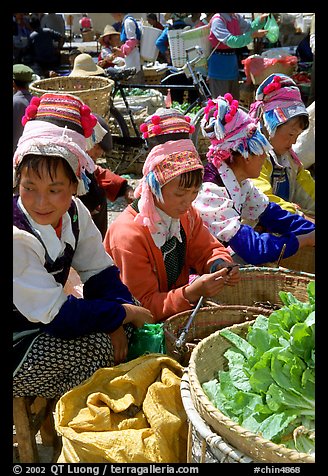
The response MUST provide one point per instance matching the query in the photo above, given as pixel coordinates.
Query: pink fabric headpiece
(164, 163)
(229, 128)
(278, 99)
(45, 138)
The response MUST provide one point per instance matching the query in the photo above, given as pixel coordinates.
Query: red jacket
(142, 266)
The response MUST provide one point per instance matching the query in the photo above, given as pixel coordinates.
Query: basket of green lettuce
(253, 383)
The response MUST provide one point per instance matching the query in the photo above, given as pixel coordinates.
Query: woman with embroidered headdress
(283, 117)
(60, 340)
(158, 238)
(229, 202)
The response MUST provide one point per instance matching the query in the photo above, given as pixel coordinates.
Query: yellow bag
(130, 413)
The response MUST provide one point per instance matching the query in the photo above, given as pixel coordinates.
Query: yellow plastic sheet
(130, 413)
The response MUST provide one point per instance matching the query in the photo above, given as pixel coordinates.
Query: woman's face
(46, 199)
(177, 200)
(254, 164)
(286, 135)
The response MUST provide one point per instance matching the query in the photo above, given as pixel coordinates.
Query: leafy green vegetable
(270, 382)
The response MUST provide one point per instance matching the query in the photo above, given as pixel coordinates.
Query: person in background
(130, 41)
(22, 76)
(228, 32)
(104, 185)
(153, 21)
(229, 203)
(85, 23)
(44, 47)
(60, 340)
(54, 21)
(283, 117)
(312, 46)
(72, 55)
(21, 33)
(108, 40)
(157, 239)
(196, 21)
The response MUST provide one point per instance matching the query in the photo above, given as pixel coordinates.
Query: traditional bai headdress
(229, 129)
(58, 124)
(166, 121)
(164, 163)
(277, 99)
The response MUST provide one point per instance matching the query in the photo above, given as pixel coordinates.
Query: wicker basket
(93, 91)
(273, 69)
(206, 359)
(303, 260)
(206, 321)
(204, 446)
(154, 76)
(260, 286)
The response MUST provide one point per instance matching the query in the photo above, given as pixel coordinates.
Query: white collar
(47, 233)
(236, 191)
(166, 228)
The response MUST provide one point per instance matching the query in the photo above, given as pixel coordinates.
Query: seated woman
(58, 339)
(229, 199)
(283, 117)
(160, 236)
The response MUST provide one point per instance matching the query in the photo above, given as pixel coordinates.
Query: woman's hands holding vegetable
(208, 285)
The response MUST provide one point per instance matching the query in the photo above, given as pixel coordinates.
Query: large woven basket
(93, 91)
(206, 359)
(206, 321)
(303, 260)
(203, 445)
(260, 286)
(153, 75)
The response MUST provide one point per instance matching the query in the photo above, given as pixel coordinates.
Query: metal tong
(180, 342)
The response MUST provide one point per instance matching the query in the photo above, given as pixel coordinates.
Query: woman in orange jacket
(159, 238)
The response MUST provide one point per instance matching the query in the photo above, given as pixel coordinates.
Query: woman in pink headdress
(229, 203)
(60, 340)
(283, 117)
(160, 236)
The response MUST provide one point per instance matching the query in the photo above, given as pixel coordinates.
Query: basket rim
(253, 440)
(201, 426)
(280, 269)
(108, 84)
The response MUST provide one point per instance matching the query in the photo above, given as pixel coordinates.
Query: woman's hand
(307, 239)
(129, 194)
(120, 345)
(259, 33)
(209, 285)
(137, 315)
(264, 16)
(117, 52)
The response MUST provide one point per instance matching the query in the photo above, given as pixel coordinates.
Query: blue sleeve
(258, 248)
(99, 311)
(107, 285)
(162, 41)
(79, 317)
(277, 220)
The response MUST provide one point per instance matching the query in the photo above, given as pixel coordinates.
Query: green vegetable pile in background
(269, 387)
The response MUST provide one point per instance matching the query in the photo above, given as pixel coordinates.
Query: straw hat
(108, 30)
(85, 66)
